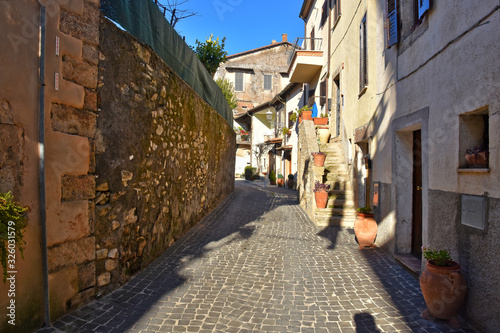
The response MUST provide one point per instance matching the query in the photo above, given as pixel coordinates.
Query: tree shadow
(365, 323)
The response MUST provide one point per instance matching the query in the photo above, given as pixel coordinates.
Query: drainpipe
(41, 167)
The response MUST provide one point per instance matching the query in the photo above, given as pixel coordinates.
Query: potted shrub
(281, 180)
(321, 120)
(272, 177)
(365, 227)
(319, 158)
(13, 221)
(286, 131)
(293, 116)
(306, 112)
(477, 157)
(290, 183)
(321, 194)
(443, 286)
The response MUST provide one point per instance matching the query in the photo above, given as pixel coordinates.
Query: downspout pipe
(41, 167)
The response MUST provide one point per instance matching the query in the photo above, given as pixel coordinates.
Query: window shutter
(363, 79)
(324, 13)
(392, 23)
(238, 82)
(267, 82)
(322, 93)
(423, 7)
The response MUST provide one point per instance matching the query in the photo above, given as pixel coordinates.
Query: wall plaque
(474, 211)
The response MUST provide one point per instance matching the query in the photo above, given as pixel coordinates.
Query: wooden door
(416, 237)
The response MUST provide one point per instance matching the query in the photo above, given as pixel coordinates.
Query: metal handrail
(305, 44)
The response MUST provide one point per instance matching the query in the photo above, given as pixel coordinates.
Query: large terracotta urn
(365, 228)
(444, 289)
(321, 199)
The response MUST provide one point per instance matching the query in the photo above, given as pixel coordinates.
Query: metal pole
(41, 168)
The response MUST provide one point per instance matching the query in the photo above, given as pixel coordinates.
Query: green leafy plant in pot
(443, 285)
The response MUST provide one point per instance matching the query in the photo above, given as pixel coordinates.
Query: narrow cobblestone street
(258, 264)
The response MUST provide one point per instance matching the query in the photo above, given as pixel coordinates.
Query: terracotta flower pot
(319, 160)
(320, 121)
(281, 182)
(365, 228)
(300, 119)
(444, 289)
(479, 160)
(307, 115)
(321, 199)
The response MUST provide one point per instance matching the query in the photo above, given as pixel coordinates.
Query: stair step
(335, 221)
(329, 211)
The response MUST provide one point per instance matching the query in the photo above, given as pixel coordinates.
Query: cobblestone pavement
(257, 263)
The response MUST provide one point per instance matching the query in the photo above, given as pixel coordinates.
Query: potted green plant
(321, 194)
(286, 131)
(319, 158)
(290, 183)
(13, 221)
(321, 120)
(305, 112)
(477, 157)
(293, 116)
(365, 227)
(281, 180)
(443, 286)
(272, 177)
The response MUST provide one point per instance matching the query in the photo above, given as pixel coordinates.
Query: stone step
(329, 211)
(340, 203)
(334, 221)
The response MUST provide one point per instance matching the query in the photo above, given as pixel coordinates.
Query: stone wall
(306, 171)
(164, 158)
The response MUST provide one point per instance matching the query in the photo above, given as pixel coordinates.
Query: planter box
(321, 121)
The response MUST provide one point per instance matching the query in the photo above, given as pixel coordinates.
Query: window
(474, 138)
(392, 22)
(336, 11)
(324, 13)
(267, 82)
(238, 81)
(322, 93)
(363, 74)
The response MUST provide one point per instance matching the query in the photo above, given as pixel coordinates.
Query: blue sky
(247, 24)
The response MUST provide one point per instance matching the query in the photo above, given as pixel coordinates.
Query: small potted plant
(477, 157)
(293, 116)
(319, 158)
(286, 131)
(321, 194)
(365, 227)
(281, 180)
(321, 120)
(443, 286)
(306, 112)
(290, 183)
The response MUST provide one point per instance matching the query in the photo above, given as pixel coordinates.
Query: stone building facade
(412, 88)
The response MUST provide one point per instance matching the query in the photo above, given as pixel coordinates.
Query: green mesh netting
(143, 19)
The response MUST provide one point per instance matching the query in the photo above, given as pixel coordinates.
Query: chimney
(284, 37)
(274, 42)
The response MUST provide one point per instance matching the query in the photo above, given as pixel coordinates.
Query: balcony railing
(305, 44)
(242, 137)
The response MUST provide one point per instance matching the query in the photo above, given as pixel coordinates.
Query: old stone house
(413, 86)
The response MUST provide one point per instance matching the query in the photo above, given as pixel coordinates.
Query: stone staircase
(340, 209)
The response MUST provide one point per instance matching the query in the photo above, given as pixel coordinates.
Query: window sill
(362, 92)
(473, 170)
